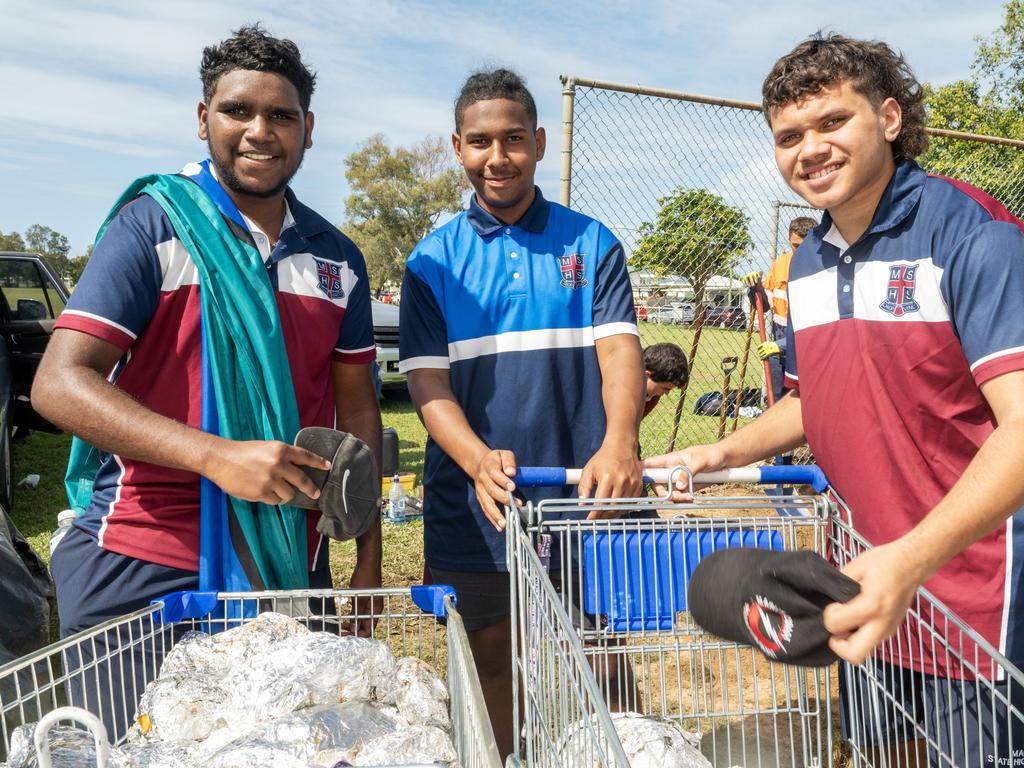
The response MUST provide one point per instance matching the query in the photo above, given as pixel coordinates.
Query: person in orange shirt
(772, 288)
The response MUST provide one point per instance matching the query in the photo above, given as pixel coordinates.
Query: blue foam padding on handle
(429, 598)
(529, 477)
(639, 580)
(796, 474)
(179, 606)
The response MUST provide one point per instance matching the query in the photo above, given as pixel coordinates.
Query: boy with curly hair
(906, 360)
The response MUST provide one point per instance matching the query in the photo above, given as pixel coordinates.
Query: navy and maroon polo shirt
(890, 340)
(140, 292)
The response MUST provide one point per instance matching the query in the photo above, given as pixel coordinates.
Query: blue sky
(98, 93)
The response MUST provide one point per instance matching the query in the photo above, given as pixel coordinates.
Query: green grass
(36, 294)
(412, 437)
(705, 376)
(34, 510)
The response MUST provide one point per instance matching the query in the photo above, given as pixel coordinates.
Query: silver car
(678, 312)
(385, 335)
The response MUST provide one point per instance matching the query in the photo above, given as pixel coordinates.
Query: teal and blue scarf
(247, 390)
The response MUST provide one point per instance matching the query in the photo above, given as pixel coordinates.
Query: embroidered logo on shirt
(899, 296)
(571, 267)
(329, 274)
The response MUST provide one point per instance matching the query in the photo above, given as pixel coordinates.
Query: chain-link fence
(689, 185)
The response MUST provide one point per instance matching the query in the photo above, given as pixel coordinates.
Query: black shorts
(485, 599)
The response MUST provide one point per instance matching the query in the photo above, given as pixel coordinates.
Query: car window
(26, 291)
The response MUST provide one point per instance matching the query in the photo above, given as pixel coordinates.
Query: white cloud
(108, 87)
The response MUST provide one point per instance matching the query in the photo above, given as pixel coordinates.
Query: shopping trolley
(404, 618)
(609, 597)
(898, 697)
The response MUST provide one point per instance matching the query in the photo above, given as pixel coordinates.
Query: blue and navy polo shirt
(890, 339)
(513, 313)
(140, 292)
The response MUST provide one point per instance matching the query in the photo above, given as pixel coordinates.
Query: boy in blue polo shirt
(520, 343)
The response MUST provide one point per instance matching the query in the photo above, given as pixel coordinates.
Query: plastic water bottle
(396, 501)
(64, 521)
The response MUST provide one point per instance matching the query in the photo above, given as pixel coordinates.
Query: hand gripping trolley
(600, 625)
(35, 687)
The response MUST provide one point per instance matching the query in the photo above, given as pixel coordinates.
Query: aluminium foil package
(273, 694)
(648, 743)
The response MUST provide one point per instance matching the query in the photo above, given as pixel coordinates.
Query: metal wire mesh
(619, 610)
(43, 681)
(934, 694)
(689, 185)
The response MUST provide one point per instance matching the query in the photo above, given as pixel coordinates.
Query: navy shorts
(95, 585)
(965, 724)
(485, 599)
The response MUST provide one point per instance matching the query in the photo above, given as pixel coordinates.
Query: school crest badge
(899, 294)
(329, 275)
(571, 267)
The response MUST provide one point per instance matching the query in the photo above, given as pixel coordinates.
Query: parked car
(385, 335)
(725, 317)
(678, 312)
(31, 297)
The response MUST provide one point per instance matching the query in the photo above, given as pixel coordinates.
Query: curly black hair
(801, 225)
(874, 69)
(666, 362)
(250, 47)
(490, 84)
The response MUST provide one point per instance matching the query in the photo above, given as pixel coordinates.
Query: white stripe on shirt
(521, 341)
(614, 329)
(425, 361)
(99, 319)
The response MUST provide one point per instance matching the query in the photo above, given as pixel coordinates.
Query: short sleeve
(791, 379)
(355, 337)
(983, 285)
(119, 290)
(423, 332)
(613, 295)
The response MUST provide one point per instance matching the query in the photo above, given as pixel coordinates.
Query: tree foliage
(696, 235)
(11, 241)
(397, 195)
(52, 245)
(991, 103)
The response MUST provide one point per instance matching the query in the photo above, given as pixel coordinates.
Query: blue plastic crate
(639, 580)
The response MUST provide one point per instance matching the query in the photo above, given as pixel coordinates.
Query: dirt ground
(749, 711)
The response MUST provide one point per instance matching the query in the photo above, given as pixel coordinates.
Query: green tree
(696, 235)
(991, 103)
(397, 195)
(76, 266)
(11, 241)
(52, 245)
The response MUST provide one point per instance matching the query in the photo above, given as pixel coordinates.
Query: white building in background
(650, 289)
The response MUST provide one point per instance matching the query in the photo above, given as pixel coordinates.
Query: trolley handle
(808, 474)
(81, 716)
(194, 604)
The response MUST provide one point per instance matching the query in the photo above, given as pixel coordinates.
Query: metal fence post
(568, 105)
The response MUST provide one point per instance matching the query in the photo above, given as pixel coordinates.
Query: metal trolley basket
(404, 618)
(600, 625)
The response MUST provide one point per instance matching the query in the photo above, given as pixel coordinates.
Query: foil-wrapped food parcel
(647, 742)
(272, 694)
